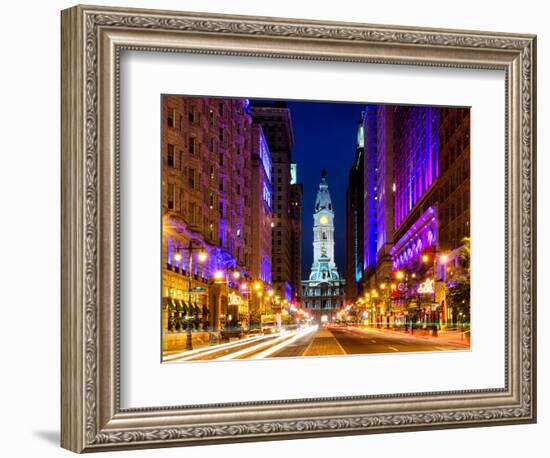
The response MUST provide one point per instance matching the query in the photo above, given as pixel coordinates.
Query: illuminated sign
(266, 194)
(264, 156)
(323, 220)
(234, 299)
(427, 287)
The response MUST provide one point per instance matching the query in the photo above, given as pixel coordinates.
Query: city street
(319, 341)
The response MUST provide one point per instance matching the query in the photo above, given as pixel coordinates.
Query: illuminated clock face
(323, 220)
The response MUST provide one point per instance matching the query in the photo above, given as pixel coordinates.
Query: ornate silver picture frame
(93, 39)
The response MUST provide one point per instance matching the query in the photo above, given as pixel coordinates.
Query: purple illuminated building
(414, 167)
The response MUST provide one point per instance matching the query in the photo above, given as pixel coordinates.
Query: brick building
(210, 154)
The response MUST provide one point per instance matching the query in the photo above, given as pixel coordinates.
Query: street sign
(198, 289)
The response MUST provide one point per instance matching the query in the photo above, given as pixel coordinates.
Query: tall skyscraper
(324, 291)
(415, 193)
(296, 191)
(274, 117)
(354, 217)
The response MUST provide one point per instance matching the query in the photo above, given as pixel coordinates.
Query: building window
(170, 160)
(191, 115)
(170, 196)
(192, 178)
(171, 116)
(220, 134)
(192, 145)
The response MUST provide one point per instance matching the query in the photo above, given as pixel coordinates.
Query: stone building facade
(210, 150)
(261, 200)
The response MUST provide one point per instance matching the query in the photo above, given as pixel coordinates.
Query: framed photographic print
(278, 228)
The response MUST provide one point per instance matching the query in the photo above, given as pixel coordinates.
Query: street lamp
(192, 246)
(443, 260)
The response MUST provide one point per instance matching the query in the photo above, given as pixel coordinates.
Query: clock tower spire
(323, 267)
(323, 291)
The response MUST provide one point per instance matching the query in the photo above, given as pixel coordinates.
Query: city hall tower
(323, 292)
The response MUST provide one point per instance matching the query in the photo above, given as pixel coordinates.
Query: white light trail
(186, 355)
(284, 336)
(284, 344)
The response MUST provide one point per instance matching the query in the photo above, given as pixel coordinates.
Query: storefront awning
(169, 303)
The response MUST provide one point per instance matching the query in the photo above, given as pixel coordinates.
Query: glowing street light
(257, 285)
(178, 257)
(400, 275)
(444, 259)
(244, 287)
(425, 258)
(202, 256)
(218, 275)
(236, 275)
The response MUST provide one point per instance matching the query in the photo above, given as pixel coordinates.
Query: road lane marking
(393, 348)
(309, 345)
(338, 343)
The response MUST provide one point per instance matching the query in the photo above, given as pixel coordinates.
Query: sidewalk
(443, 337)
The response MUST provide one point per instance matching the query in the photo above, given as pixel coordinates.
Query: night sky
(325, 135)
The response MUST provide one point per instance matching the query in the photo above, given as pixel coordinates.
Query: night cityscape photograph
(309, 228)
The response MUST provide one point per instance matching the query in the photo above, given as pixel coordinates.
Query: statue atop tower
(323, 291)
